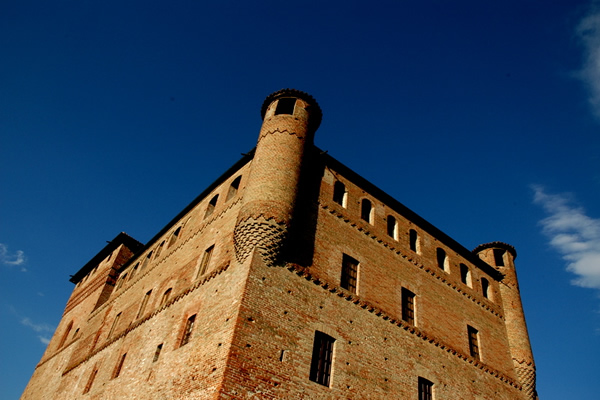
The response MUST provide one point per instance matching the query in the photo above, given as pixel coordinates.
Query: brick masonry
(259, 271)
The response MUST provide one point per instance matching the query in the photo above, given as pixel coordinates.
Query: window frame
(321, 365)
(349, 273)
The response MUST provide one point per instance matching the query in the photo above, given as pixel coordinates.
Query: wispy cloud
(44, 331)
(572, 233)
(11, 259)
(588, 33)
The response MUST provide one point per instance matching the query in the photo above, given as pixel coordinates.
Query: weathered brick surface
(273, 280)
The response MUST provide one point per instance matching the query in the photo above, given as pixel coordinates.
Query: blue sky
(483, 117)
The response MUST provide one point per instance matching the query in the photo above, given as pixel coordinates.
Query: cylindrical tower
(502, 257)
(290, 119)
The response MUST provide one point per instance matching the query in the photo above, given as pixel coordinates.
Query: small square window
(285, 106)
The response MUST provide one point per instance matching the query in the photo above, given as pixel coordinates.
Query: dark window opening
(349, 273)
(187, 331)
(408, 306)
(322, 358)
(392, 227)
(339, 193)
(147, 260)
(159, 249)
(485, 288)
(121, 281)
(134, 270)
(442, 260)
(464, 274)
(233, 188)
(366, 210)
(157, 352)
(499, 257)
(425, 389)
(473, 342)
(285, 106)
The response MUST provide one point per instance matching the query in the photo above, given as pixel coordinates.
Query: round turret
(290, 119)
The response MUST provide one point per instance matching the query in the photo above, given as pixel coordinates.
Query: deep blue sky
(483, 117)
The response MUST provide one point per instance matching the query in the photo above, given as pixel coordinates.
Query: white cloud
(44, 340)
(588, 33)
(16, 258)
(36, 327)
(573, 234)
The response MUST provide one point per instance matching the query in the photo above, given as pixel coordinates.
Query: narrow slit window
(442, 259)
(114, 325)
(144, 303)
(473, 342)
(425, 389)
(157, 352)
(366, 210)
(285, 106)
(90, 382)
(119, 366)
(392, 227)
(205, 261)
(339, 193)
(349, 279)
(233, 188)
(408, 306)
(465, 274)
(413, 238)
(187, 330)
(322, 359)
(65, 335)
(165, 297)
(211, 205)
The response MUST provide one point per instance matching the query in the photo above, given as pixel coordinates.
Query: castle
(292, 277)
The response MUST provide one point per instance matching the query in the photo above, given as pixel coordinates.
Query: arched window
(211, 205)
(366, 210)
(233, 188)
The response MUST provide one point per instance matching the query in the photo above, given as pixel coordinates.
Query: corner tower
(290, 119)
(502, 257)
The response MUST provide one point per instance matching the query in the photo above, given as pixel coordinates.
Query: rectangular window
(414, 241)
(285, 106)
(114, 325)
(408, 306)
(322, 359)
(157, 352)
(425, 389)
(473, 342)
(119, 366)
(499, 257)
(187, 330)
(144, 302)
(90, 381)
(465, 276)
(339, 193)
(349, 273)
(205, 261)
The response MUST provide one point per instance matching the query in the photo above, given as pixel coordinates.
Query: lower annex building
(292, 277)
